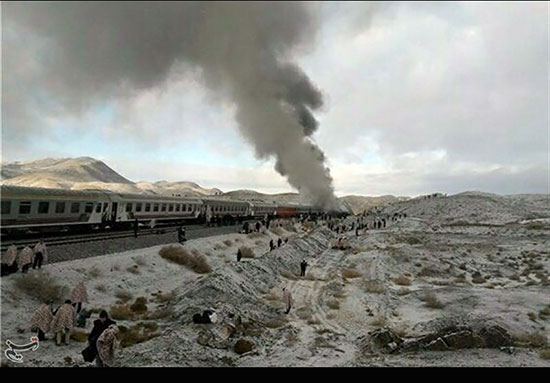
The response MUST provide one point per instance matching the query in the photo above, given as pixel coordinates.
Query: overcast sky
(419, 98)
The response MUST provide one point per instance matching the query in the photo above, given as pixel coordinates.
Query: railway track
(105, 236)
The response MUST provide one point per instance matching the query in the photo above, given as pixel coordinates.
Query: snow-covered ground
(415, 277)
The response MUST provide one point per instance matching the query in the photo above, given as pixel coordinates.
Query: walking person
(303, 266)
(136, 227)
(79, 295)
(26, 258)
(287, 298)
(63, 322)
(181, 235)
(239, 255)
(42, 319)
(40, 254)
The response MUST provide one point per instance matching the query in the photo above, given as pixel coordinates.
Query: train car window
(163, 207)
(6, 207)
(171, 207)
(60, 207)
(98, 208)
(75, 207)
(178, 207)
(43, 207)
(89, 207)
(156, 207)
(24, 207)
(147, 207)
(129, 207)
(105, 206)
(138, 207)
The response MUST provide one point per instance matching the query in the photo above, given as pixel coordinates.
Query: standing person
(258, 225)
(40, 254)
(63, 322)
(279, 242)
(357, 231)
(106, 345)
(42, 319)
(303, 266)
(271, 245)
(100, 325)
(239, 255)
(136, 227)
(26, 259)
(181, 235)
(79, 295)
(9, 261)
(287, 298)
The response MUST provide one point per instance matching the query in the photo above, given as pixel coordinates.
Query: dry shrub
(160, 313)
(375, 287)
(313, 321)
(333, 304)
(166, 298)
(276, 231)
(272, 296)
(545, 353)
(276, 323)
(403, 291)
(133, 269)
(101, 288)
(41, 286)
(255, 235)
(351, 273)
(532, 316)
(379, 320)
(304, 313)
(544, 314)
(247, 252)
(94, 272)
(116, 267)
(478, 279)
(514, 277)
(139, 306)
(79, 336)
(181, 256)
(140, 261)
(123, 295)
(402, 281)
(121, 312)
(228, 242)
(288, 275)
(534, 339)
(431, 301)
(136, 334)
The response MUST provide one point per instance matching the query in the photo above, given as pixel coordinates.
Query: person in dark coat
(303, 266)
(271, 245)
(136, 228)
(239, 255)
(279, 242)
(258, 225)
(100, 325)
(181, 235)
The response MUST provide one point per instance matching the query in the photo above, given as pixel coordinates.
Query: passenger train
(41, 209)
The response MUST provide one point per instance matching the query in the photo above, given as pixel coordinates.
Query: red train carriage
(285, 211)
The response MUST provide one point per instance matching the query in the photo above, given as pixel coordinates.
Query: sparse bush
(304, 313)
(139, 306)
(94, 272)
(121, 312)
(228, 242)
(402, 281)
(313, 322)
(101, 288)
(276, 231)
(166, 298)
(288, 275)
(133, 269)
(275, 323)
(255, 235)
(41, 286)
(134, 335)
(181, 256)
(333, 304)
(431, 301)
(532, 316)
(545, 353)
(403, 291)
(247, 252)
(271, 296)
(375, 287)
(123, 295)
(379, 320)
(478, 278)
(140, 261)
(160, 313)
(351, 273)
(79, 336)
(533, 339)
(116, 267)
(544, 314)
(514, 277)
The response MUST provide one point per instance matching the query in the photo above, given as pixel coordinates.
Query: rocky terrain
(461, 281)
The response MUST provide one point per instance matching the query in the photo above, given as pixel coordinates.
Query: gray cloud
(83, 53)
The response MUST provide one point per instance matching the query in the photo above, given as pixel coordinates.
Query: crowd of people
(13, 261)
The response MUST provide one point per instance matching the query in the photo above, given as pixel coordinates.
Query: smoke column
(89, 52)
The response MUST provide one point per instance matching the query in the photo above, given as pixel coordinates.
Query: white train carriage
(258, 210)
(225, 208)
(154, 207)
(51, 209)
